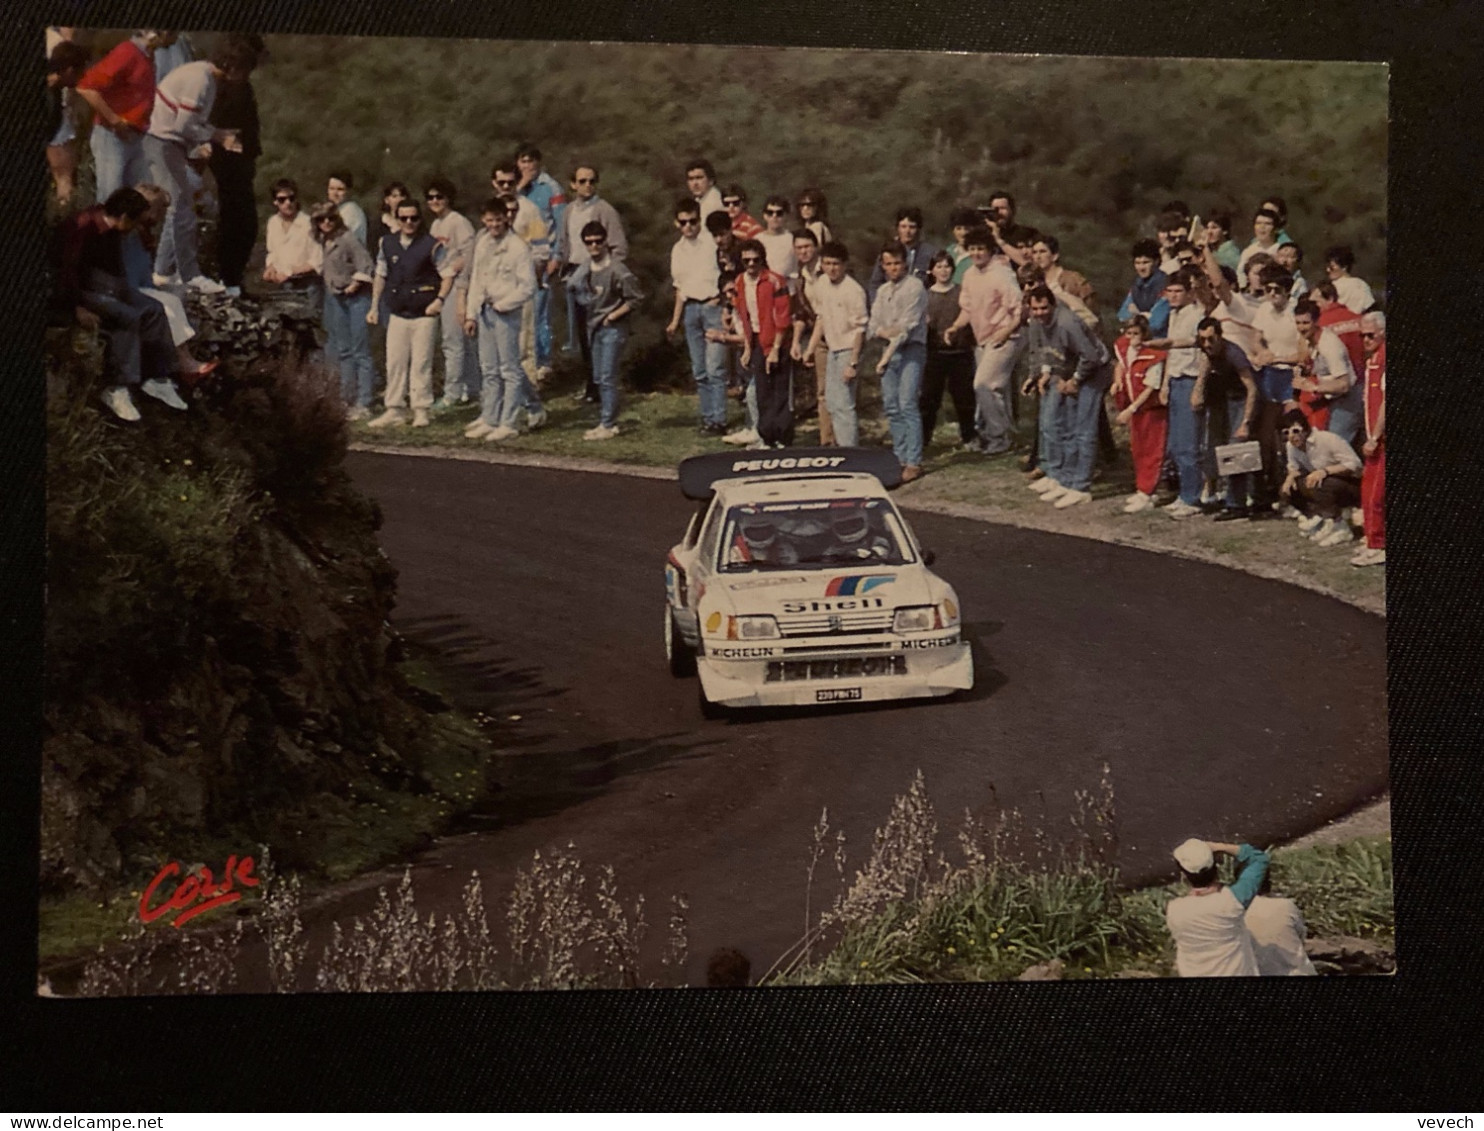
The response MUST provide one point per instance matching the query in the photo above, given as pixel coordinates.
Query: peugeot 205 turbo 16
(798, 582)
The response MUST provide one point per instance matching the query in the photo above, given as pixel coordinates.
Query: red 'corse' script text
(198, 889)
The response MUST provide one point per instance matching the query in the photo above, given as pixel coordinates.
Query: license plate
(836, 694)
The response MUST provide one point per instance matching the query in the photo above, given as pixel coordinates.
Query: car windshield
(812, 533)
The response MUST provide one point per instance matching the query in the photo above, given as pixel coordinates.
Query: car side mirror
(928, 557)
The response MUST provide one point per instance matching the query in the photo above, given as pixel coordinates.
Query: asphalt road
(1224, 705)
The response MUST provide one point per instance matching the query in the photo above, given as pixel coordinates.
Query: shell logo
(713, 622)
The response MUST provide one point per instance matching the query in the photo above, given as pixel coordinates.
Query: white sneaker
(1179, 509)
(206, 286)
(1369, 557)
(1307, 526)
(1324, 529)
(357, 412)
(1288, 510)
(535, 420)
(420, 418)
(478, 430)
(391, 418)
(163, 281)
(1137, 502)
(600, 433)
(1042, 485)
(741, 436)
(1338, 536)
(120, 403)
(164, 391)
(503, 432)
(1072, 498)
(1055, 492)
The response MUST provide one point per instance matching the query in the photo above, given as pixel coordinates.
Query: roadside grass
(910, 915)
(659, 429)
(369, 826)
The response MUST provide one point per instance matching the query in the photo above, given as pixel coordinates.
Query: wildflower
(952, 951)
(187, 463)
(864, 964)
(182, 498)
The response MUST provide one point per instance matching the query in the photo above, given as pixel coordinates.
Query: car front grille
(836, 624)
(851, 667)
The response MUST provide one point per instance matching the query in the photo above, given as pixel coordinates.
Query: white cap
(1194, 856)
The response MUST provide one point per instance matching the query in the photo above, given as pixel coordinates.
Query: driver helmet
(851, 527)
(759, 533)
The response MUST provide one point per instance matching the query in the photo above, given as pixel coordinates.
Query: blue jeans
(348, 344)
(901, 386)
(608, 342)
(117, 162)
(573, 343)
(708, 360)
(503, 394)
(1346, 415)
(1050, 457)
(460, 363)
(1075, 420)
(1275, 383)
(839, 398)
(1187, 429)
(170, 170)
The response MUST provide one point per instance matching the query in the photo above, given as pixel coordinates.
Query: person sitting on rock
(1207, 923)
(93, 285)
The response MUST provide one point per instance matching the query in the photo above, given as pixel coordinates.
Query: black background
(1411, 1042)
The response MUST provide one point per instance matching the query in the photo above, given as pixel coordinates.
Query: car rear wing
(699, 474)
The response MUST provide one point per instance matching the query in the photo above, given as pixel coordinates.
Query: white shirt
(1332, 359)
(693, 268)
(749, 292)
(710, 202)
(1235, 316)
(455, 236)
(780, 249)
(1211, 938)
(1184, 323)
(292, 248)
(1324, 449)
(1354, 293)
(1278, 330)
(502, 274)
(183, 101)
(841, 308)
(355, 219)
(1277, 929)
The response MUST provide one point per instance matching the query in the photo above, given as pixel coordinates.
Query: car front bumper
(790, 677)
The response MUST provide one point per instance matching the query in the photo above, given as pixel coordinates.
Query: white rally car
(798, 581)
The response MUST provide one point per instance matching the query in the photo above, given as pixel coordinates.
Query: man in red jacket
(764, 311)
(1373, 482)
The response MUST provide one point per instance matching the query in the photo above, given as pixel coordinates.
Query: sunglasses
(749, 260)
(408, 219)
(1369, 334)
(688, 221)
(772, 212)
(733, 203)
(331, 220)
(595, 242)
(284, 199)
(435, 196)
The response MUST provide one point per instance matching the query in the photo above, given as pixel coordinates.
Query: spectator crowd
(1248, 391)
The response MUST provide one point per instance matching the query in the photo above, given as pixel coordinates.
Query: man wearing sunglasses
(294, 255)
(694, 274)
(587, 207)
(454, 235)
(744, 226)
(607, 292)
(1323, 479)
(765, 315)
(415, 287)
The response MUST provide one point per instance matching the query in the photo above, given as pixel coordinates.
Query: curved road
(1224, 705)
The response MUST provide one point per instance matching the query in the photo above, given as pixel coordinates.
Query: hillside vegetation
(1090, 147)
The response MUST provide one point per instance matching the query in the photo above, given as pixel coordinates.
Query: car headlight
(948, 608)
(917, 618)
(752, 628)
